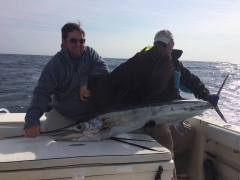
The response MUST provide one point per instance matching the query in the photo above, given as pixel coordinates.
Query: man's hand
(33, 131)
(84, 93)
(212, 98)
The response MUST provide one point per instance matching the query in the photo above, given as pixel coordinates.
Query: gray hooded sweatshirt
(62, 79)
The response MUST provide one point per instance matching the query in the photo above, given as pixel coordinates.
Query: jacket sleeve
(192, 82)
(98, 66)
(42, 95)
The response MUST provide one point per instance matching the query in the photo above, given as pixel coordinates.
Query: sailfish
(136, 92)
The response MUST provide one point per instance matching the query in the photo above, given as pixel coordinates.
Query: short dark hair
(70, 27)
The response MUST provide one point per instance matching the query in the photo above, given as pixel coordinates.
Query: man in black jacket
(183, 79)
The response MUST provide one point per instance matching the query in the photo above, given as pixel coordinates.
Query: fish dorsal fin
(145, 76)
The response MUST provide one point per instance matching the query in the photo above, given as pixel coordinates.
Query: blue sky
(205, 30)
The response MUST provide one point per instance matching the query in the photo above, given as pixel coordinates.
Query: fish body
(123, 120)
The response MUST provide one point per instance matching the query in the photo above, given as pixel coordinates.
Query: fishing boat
(215, 154)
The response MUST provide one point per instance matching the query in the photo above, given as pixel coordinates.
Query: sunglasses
(162, 44)
(74, 40)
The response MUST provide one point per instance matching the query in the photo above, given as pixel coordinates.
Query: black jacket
(188, 81)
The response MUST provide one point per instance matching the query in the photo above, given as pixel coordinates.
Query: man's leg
(182, 147)
(162, 134)
(55, 121)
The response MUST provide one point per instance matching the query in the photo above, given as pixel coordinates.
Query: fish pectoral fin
(106, 132)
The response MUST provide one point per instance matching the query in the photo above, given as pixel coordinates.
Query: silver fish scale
(118, 122)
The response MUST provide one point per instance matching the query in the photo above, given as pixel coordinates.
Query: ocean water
(19, 75)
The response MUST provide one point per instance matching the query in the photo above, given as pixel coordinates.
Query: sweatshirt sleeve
(98, 66)
(42, 94)
(192, 82)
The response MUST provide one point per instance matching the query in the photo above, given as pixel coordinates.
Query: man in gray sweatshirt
(65, 79)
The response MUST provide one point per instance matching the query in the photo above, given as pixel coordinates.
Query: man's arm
(41, 96)
(193, 83)
(98, 67)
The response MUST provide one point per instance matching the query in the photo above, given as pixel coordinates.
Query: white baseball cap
(164, 36)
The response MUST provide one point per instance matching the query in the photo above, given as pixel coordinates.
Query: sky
(206, 30)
